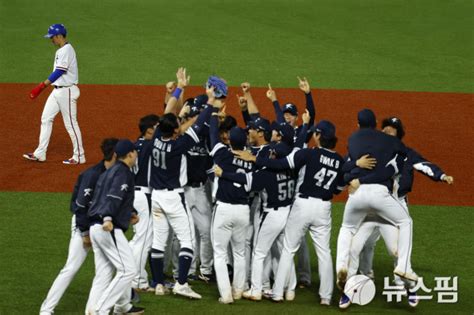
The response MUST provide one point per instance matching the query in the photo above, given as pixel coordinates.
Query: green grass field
(36, 232)
(422, 45)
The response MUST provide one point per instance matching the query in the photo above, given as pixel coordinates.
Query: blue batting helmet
(56, 29)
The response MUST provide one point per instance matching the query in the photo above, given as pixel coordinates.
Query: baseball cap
(290, 108)
(123, 147)
(237, 137)
(260, 124)
(280, 149)
(396, 123)
(325, 128)
(56, 29)
(287, 133)
(366, 118)
(219, 84)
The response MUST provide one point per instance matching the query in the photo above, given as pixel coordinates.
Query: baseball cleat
(326, 302)
(290, 295)
(185, 290)
(32, 157)
(72, 161)
(341, 279)
(277, 299)
(412, 299)
(344, 302)
(267, 293)
(161, 290)
(135, 298)
(410, 275)
(135, 310)
(237, 294)
(251, 295)
(226, 301)
(304, 284)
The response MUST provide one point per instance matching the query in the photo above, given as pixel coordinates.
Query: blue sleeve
(293, 161)
(301, 139)
(56, 74)
(392, 168)
(203, 118)
(310, 107)
(84, 200)
(424, 166)
(246, 116)
(214, 131)
(191, 136)
(254, 116)
(278, 112)
(348, 165)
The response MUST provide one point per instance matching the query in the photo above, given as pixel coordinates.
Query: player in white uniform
(62, 99)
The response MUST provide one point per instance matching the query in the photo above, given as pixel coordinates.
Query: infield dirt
(437, 126)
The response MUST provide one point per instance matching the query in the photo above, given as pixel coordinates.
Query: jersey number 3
(322, 174)
(159, 158)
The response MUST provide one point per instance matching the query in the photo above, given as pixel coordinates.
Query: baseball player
(197, 192)
(232, 212)
(363, 242)
(278, 197)
(168, 177)
(288, 113)
(319, 178)
(143, 230)
(110, 214)
(63, 98)
(375, 192)
(79, 244)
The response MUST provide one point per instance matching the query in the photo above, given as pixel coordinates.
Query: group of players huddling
(218, 201)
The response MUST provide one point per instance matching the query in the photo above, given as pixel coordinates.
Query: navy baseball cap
(200, 100)
(220, 86)
(396, 123)
(123, 147)
(366, 118)
(260, 124)
(280, 149)
(237, 137)
(325, 128)
(290, 108)
(56, 29)
(287, 133)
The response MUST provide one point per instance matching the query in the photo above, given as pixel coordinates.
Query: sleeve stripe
(193, 134)
(289, 158)
(78, 204)
(248, 185)
(216, 148)
(61, 68)
(113, 196)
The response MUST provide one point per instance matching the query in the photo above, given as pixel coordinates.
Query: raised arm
(427, 168)
(271, 95)
(301, 139)
(183, 81)
(244, 108)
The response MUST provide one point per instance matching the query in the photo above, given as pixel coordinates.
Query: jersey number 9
(159, 158)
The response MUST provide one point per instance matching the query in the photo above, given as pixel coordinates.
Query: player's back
(228, 191)
(198, 162)
(278, 187)
(320, 176)
(142, 168)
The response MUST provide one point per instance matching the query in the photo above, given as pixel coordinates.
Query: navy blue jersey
(114, 196)
(389, 152)
(142, 169)
(413, 162)
(319, 174)
(228, 191)
(169, 164)
(199, 162)
(263, 150)
(83, 193)
(278, 186)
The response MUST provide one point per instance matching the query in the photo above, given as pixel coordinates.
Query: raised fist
(245, 87)
(271, 93)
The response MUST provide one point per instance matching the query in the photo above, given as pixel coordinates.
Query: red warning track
(437, 126)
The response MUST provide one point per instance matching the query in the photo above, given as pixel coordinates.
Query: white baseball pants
(230, 225)
(303, 266)
(272, 224)
(112, 254)
(142, 238)
(63, 100)
(314, 215)
(169, 209)
(377, 198)
(200, 205)
(366, 237)
(77, 254)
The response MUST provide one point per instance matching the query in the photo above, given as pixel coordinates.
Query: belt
(62, 86)
(146, 190)
(306, 197)
(196, 184)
